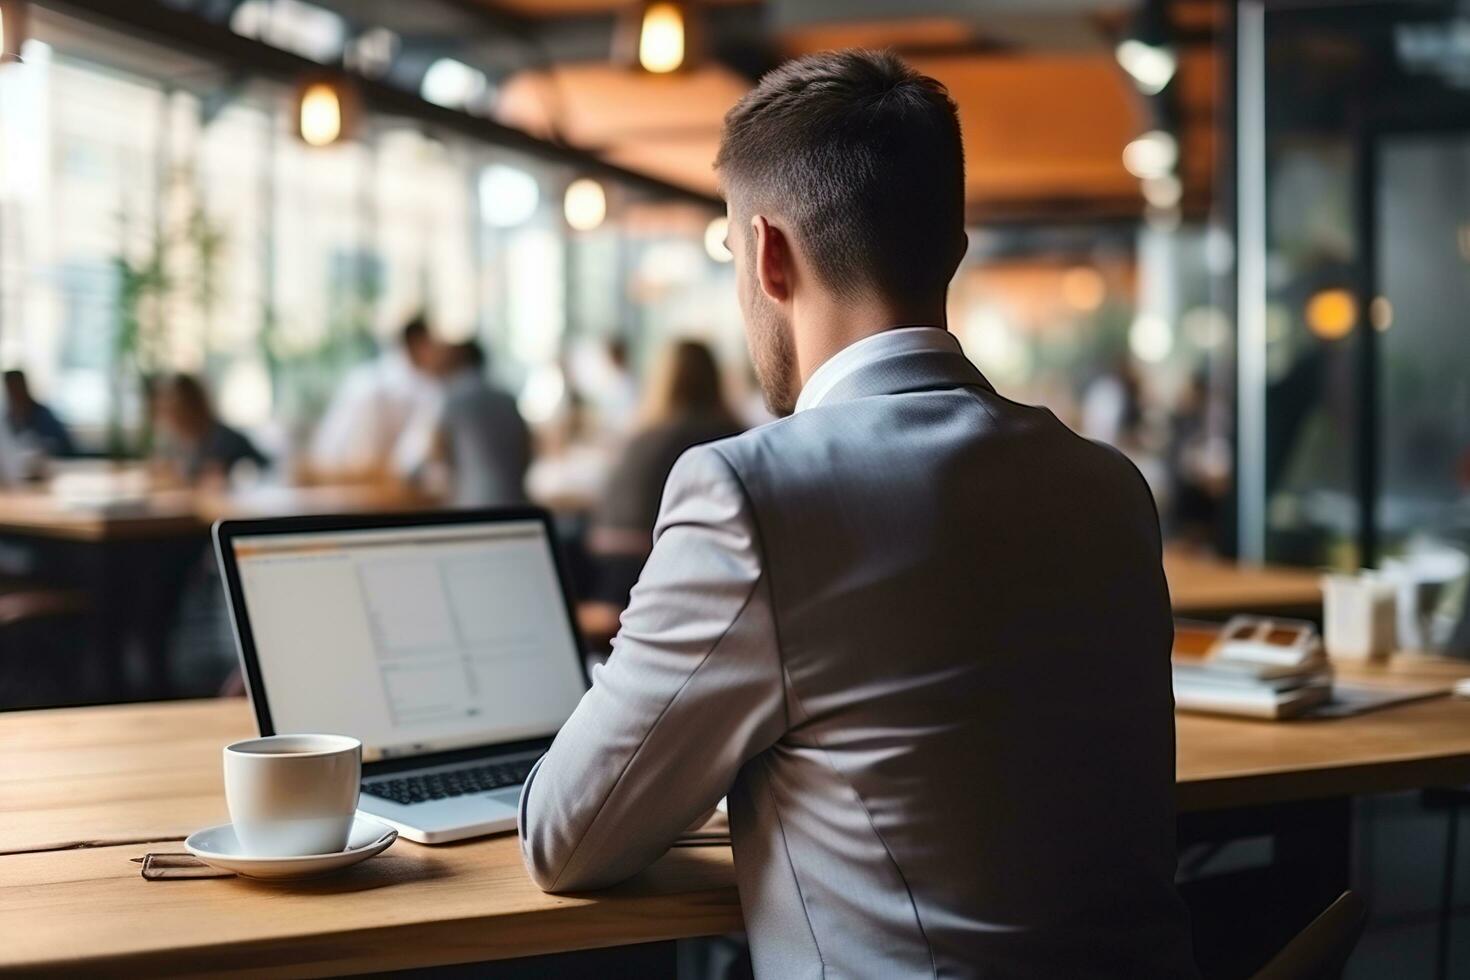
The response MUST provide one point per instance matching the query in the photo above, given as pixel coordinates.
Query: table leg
(136, 587)
(106, 573)
(164, 569)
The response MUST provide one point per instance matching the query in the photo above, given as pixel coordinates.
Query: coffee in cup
(293, 795)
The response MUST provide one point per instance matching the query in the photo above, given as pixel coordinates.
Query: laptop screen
(412, 639)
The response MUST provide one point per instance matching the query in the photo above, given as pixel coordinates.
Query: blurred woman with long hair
(193, 444)
(684, 406)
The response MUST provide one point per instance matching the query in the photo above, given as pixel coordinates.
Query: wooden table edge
(493, 936)
(1247, 789)
(104, 530)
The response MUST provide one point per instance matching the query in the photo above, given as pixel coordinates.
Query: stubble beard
(773, 352)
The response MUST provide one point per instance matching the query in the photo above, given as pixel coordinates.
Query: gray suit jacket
(920, 636)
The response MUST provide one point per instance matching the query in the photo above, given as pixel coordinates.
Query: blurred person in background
(1112, 406)
(575, 452)
(382, 423)
(33, 424)
(483, 438)
(602, 373)
(1114, 411)
(191, 444)
(1199, 463)
(685, 407)
(12, 463)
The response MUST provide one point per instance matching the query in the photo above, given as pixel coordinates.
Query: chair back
(1321, 950)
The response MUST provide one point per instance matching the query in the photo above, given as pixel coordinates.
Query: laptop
(445, 642)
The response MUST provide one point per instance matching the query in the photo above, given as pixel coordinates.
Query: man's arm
(692, 691)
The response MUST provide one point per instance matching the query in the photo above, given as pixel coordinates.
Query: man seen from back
(917, 633)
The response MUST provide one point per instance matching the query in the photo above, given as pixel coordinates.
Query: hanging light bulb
(585, 204)
(658, 36)
(661, 37)
(1146, 52)
(1151, 66)
(1153, 154)
(326, 110)
(319, 114)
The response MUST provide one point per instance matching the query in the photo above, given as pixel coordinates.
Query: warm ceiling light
(1332, 313)
(1145, 51)
(1151, 66)
(1152, 155)
(585, 204)
(714, 239)
(320, 115)
(1083, 288)
(662, 37)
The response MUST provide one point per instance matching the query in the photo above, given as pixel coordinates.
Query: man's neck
(825, 331)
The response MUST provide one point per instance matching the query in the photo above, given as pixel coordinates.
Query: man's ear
(961, 246)
(773, 259)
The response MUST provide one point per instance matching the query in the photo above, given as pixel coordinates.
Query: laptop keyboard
(426, 787)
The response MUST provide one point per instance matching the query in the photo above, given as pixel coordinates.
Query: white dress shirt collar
(899, 340)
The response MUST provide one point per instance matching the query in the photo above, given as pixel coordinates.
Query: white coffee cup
(293, 795)
(1358, 617)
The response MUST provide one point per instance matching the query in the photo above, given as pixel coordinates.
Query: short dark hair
(469, 354)
(863, 154)
(415, 331)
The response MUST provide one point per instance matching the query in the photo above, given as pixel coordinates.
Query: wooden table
(1213, 588)
(123, 779)
(150, 773)
(168, 512)
(1229, 762)
(128, 547)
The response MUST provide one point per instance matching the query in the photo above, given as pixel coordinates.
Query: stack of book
(1259, 668)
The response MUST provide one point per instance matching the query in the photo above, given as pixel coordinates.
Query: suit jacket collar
(924, 370)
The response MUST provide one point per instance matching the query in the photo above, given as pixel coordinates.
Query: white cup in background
(1358, 617)
(293, 795)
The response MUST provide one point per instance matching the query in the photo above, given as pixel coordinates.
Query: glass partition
(1353, 168)
(172, 221)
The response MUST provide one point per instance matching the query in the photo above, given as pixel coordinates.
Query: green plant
(177, 270)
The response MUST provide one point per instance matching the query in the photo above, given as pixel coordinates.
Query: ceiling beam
(153, 21)
(735, 33)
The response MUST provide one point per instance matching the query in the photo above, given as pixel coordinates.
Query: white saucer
(218, 848)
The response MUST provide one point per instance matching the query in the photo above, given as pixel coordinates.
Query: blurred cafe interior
(265, 258)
